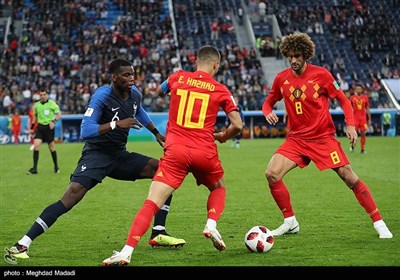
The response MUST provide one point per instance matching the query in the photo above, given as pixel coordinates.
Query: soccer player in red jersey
(360, 103)
(16, 125)
(189, 148)
(31, 126)
(306, 90)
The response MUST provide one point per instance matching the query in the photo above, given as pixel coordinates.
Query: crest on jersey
(297, 93)
(134, 109)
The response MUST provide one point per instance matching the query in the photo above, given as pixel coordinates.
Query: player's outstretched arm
(233, 129)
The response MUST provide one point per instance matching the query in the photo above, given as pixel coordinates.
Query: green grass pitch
(335, 230)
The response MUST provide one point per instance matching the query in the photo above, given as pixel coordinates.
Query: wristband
(155, 131)
(113, 124)
(54, 121)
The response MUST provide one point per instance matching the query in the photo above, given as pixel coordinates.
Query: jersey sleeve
(56, 108)
(332, 87)
(164, 87)
(274, 95)
(90, 121)
(334, 91)
(345, 104)
(143, 117)
(167, 84)
(228, 103)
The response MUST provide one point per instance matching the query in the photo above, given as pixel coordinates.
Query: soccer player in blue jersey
(112, 110)
(237, 137)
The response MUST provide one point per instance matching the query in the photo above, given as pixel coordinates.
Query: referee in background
(46, 114)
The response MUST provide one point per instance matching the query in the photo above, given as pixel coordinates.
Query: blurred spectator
(69, 56)
(214, 30)
(277, 44)
(262, 11)
(240, 15)
(8, 104)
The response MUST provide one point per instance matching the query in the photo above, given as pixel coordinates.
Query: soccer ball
(259, 239)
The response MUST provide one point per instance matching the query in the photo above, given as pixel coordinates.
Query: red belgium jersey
(360, 103)
(306, 100)
(195, 101)
(31, 115)
(16, 123)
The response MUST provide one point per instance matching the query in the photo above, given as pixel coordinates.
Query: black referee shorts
(44, 133)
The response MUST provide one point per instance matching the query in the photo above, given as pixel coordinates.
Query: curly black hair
(299, 42)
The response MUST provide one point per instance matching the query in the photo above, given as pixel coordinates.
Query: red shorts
(361, 124)
(326, 152)
(179, 160)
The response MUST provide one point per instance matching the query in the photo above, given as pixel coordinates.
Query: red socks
(361, 191)
(141, 222)
(281, 196)
(364, 197)
(363, 139)
(216, 203)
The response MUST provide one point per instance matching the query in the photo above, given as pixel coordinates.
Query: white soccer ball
(259, 239)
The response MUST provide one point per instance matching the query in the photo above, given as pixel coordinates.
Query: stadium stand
(65, 45)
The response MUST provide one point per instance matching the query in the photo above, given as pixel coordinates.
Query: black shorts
(44, 133)
(94, 166)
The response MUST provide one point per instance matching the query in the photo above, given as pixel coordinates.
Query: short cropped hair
(208, 52)
(116, 64)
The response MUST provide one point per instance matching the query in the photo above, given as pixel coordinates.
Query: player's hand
(219, 136)
(351, 133)
(160, 139)
(272, 118)
(129, 123)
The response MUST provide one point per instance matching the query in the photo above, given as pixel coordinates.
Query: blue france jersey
(104, 107)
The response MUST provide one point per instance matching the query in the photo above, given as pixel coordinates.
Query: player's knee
(74, 193)
(347, 174)
(150, 169)
(272, 176)
(219, 184)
